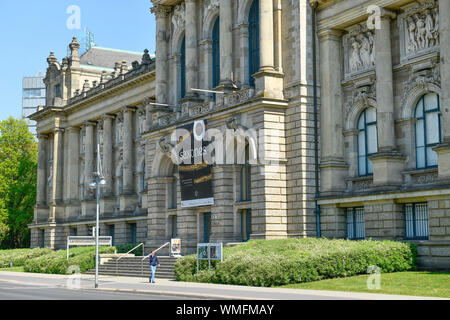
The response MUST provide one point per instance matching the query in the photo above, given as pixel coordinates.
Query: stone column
(191, 47)
(268, 81)
(128, 159)
(226, 44)
(243, 54)
(88, 158)
(58, 164)
(443, 150)
(206, 46)
(161, 13)
(333, 167)
(384, 86)
(278, 36)
(266, 53)
(107, 154)
(41, 191)
(387, 163)
(73, 163)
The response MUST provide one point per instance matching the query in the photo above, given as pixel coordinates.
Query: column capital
(387, 14)
(330, 34)
(42, 136)
(108, 116)
(74, 129)
(160, 11)
(58, 130)
(128, 109)
(89, 123)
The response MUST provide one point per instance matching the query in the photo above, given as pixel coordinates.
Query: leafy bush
(57, 262)
(278, 262)
(20, 256)
(124, 248)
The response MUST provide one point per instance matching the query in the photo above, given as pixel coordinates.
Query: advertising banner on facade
(195, 173)
(175, 247)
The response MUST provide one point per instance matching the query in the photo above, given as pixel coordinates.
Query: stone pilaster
(128, 159)
(226, 44)
(333, 167)
(387, 163)
(56, 211)
(206, 51)
(73, 164)
(443, 150)
(107, 154)
(278, 35)
(191, 47)
(41, 191)
(243, 55)
(161, 13)
(156, 212)
(88, 158)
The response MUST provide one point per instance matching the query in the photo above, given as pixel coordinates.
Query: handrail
(124, 254)
(142, 261)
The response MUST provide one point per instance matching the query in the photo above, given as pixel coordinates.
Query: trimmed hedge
(57, 262)
(20, 256)
(268, 263)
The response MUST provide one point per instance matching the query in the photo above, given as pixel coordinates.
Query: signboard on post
(87, 241)
(175, 247)
(210, 252)
(195, 173)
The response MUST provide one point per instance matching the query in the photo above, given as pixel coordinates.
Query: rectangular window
(416, 221)
(173, 227)
(42, 236)
(356, 229)
(133, 233)
(246, 224)
(58, 91)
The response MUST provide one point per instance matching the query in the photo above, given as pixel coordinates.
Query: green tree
(18, 174)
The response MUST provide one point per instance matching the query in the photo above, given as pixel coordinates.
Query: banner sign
(195, 174)
(88, 241)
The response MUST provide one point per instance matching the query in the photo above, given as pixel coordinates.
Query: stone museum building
(326, 118)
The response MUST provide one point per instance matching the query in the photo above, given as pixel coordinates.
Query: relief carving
(359, 49)
(178, 15)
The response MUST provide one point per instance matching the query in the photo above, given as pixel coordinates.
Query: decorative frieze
(359, 50)
(199, 109)
(419, 29)
(238, 97)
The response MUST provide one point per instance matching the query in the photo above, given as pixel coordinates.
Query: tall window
(245, 176)
(253, 40)
(246, 224)
(143, 178)
(356, 229)
(133, 232)
(367, 140)
(183, 69)
(416, 221)
(216, 54)
(173, 227)
(173, 189)
(428, 130)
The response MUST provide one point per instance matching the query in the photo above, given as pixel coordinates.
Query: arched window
(367, 140)
(245, 175)
(216, 54)
(253, 40)
(428, 130)
(183, 69)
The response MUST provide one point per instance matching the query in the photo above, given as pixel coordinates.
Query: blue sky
(31, 29)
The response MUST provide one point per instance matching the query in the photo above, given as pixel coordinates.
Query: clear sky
(30, 29)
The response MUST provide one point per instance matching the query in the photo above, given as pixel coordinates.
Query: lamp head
(93, 185)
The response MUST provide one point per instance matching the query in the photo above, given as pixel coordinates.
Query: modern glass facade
(33, 95)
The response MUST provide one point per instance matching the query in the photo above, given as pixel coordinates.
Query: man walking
(153, 264)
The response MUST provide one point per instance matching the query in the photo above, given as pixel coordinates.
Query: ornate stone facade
(272, 109)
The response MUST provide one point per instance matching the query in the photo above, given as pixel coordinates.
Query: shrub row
(20, 256)
(57, 262)
(124, 248)
(279, 262)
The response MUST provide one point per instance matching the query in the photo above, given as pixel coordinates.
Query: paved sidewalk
(190, 290)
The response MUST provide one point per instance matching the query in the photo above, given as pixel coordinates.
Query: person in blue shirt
(153, 264)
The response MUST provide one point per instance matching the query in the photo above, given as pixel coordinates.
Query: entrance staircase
(130, 266)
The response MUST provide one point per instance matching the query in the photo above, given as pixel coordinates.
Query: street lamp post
(98, 182)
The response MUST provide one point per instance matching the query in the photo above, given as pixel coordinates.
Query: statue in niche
(421, 32)
(430, 28)
(119, 131)
(355, 59)
(413, 46)
(365, 51)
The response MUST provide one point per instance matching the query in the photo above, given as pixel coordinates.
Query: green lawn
(426, 284)
(14, 269)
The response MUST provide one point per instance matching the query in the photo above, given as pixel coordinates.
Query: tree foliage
(18, 175)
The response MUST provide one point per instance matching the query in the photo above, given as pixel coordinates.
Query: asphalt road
(17, 291)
